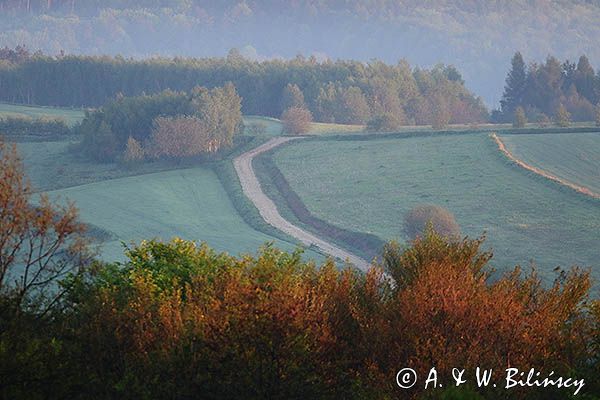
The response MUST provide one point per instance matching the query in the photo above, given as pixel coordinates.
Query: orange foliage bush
(275, 327)
(296, 120)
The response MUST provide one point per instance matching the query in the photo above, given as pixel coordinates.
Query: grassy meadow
(71, 116)
(157, 199)
(274, 127)
(573, 157)
(369, 185)
(188, 203)
(357, 184)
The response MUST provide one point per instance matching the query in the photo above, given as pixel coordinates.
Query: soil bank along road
(268, 211)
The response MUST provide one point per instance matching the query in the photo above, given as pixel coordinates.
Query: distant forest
(343, 91)
(478, 36)
(540, 90)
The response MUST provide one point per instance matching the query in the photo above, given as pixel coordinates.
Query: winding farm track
(268, 210)
(541, 172)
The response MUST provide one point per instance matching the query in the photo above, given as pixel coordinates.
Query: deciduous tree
(296, 121)
(40, 242)
(134, 152)
(180, 137)
(562, 117)
(519, 119)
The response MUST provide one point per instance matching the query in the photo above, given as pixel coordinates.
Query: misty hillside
(477, 36)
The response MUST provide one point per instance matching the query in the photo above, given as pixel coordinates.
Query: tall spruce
(515, 86)
(585, 80)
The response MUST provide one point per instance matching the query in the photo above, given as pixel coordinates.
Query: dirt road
(269, 212)
(541, 172)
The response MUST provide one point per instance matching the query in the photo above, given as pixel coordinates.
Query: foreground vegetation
(177, 319)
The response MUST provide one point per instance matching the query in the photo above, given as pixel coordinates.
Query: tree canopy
(547, 87)
(341, 91)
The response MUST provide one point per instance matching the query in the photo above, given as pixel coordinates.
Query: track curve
(268, 210)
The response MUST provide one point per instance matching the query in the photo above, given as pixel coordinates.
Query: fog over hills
(477, 36)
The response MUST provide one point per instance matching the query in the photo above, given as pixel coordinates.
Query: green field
(71, 116)
(189, 203)
(155, 199)
(51, 165)
(368, 186)
(574, 157)
(274, 127)
(320, 128)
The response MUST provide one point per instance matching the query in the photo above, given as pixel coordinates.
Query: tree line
(167, 124)
(482, 33)
(538, 92)
(178, 320)
(341, 91)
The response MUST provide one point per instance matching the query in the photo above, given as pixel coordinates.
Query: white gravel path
(268, 209)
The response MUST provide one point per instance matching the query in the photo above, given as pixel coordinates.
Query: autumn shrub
(448, 312)
(178, 320)
(179, 316)
(562, 117)
(180, 137)
(520, 119)
(296, 120)
(41, 244)
(134, 152)
(442, 221)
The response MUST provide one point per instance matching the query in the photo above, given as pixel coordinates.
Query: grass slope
(72, 116)
(108, 196)
(51, 166)
(274, 127)
(188, 203)
(574, 157)
(368, 186)
(290, 206)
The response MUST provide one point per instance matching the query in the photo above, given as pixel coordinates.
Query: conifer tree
(515, 86)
